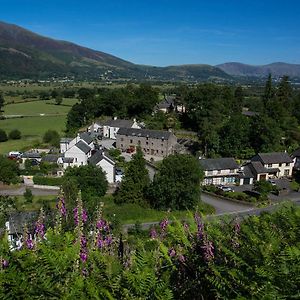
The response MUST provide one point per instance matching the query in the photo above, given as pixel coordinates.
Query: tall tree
(176, 184)
(135, 181)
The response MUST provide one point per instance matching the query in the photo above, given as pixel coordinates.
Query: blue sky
(169, 32)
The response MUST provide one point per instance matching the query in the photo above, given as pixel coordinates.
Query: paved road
(36, 192)
(224, 206)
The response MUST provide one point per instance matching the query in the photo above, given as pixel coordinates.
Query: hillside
(25, 54)
(276, 69)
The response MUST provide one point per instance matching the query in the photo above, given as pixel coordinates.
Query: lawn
(36, 204)
(36, 108)
(32, 130)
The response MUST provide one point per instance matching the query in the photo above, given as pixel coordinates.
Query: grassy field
(32, 130)
(35, 108)
(36, 204)
(39, 116)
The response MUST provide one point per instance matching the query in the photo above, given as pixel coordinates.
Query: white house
(101, 160)
(67, 143)
(220, 171)
(109, 128)
(80, 153)
(272, 165)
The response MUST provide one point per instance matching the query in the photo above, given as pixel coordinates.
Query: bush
(54, 181)
(14, 134)
(3, 136)
(51, 137)
(28, 195)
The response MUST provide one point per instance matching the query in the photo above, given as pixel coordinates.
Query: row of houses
(263, 166)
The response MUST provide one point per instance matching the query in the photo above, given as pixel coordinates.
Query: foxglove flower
(181, 258)
(200, 226)
(61, 206)
(208, 250)
(5, 263)
(29, 243)
(84, 216)
(83, 256)
(75, 215)
(172, 252)
(153, 233)
(39, 226)
(163, 224)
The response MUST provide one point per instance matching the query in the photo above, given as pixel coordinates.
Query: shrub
(28, 195)
(3, 136)
(14, 134)
(54, 181)
(51, 137)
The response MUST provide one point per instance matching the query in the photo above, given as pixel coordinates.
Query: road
(20, 191)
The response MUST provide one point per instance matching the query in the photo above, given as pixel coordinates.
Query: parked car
(272, 182)
(225, 188)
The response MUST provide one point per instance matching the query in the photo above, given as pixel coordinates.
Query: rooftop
(86, 137)
(83, 147)
(210, 164)
(119, 123)
(274, 158)
(155, 134)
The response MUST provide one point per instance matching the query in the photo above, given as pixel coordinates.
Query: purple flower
(61, 206)
(84, 216)
(186, 226)
(83, 241)
(84, 272)
(40, 229)
(101, 224)
(75, 211)
(163, 224)
(29, 243)
(83, 256)
(108, 240)
(5, 263)
(237, 228)
(208, 250)
(153, 233)
(100, 241)
(181, 258)
(172, 252)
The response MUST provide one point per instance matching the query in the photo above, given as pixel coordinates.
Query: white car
(225, 188)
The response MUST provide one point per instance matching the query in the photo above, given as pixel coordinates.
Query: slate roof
(274, 158)
(154, 134)
(97, 157)
(247, 172)
(249, 113)
(296, 153)
(67, 160)
(51, 158)
(119, 123)
(86, 137)
(258, 167)
(211, 164)
(83, 147)
(31, 155)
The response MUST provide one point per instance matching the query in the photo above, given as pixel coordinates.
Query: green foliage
(176, 184)
(58, 100)
(9, 171)
(264, 187)
(7, 204)
(2, 101)
(51, 137)
(43, 180)
(15, 134)
(90, 179)
(28, 195)
(3, 136)
(134, 182)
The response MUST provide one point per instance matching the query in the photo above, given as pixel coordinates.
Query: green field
(36, 108)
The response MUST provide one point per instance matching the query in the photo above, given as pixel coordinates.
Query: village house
(67, 143)
(220, 171)
(296, 157)
(272, 165)
(101, 160)
(109, 128)
(169, 104)
(152, 142)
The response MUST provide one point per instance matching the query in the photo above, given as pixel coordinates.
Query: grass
(132, 213)
(36, 204)
(35, 108)
(32, 130)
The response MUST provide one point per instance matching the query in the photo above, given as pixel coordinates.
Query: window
(280, 164)
(219, 171)
(122, 139)
(147, 143)
(131, 141)
(231, 171)
(162, 145)
(209, 173)
(270, 165)
(121, 145)
(286, 172)
(162, 152)
(287, 164)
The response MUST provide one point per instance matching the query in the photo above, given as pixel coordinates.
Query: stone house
(152, 142)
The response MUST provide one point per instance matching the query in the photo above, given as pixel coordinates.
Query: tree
(51, 137)
(9, 171)
(135, 181)
(3, 136)
(58, 100)
(89, 178)
(176, 184)
(14, 134)
(1, 103)
(28, 195)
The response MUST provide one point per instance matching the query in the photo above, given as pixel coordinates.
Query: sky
(166, 32)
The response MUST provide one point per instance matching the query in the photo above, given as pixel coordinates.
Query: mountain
(25, 54)
(276, 69)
